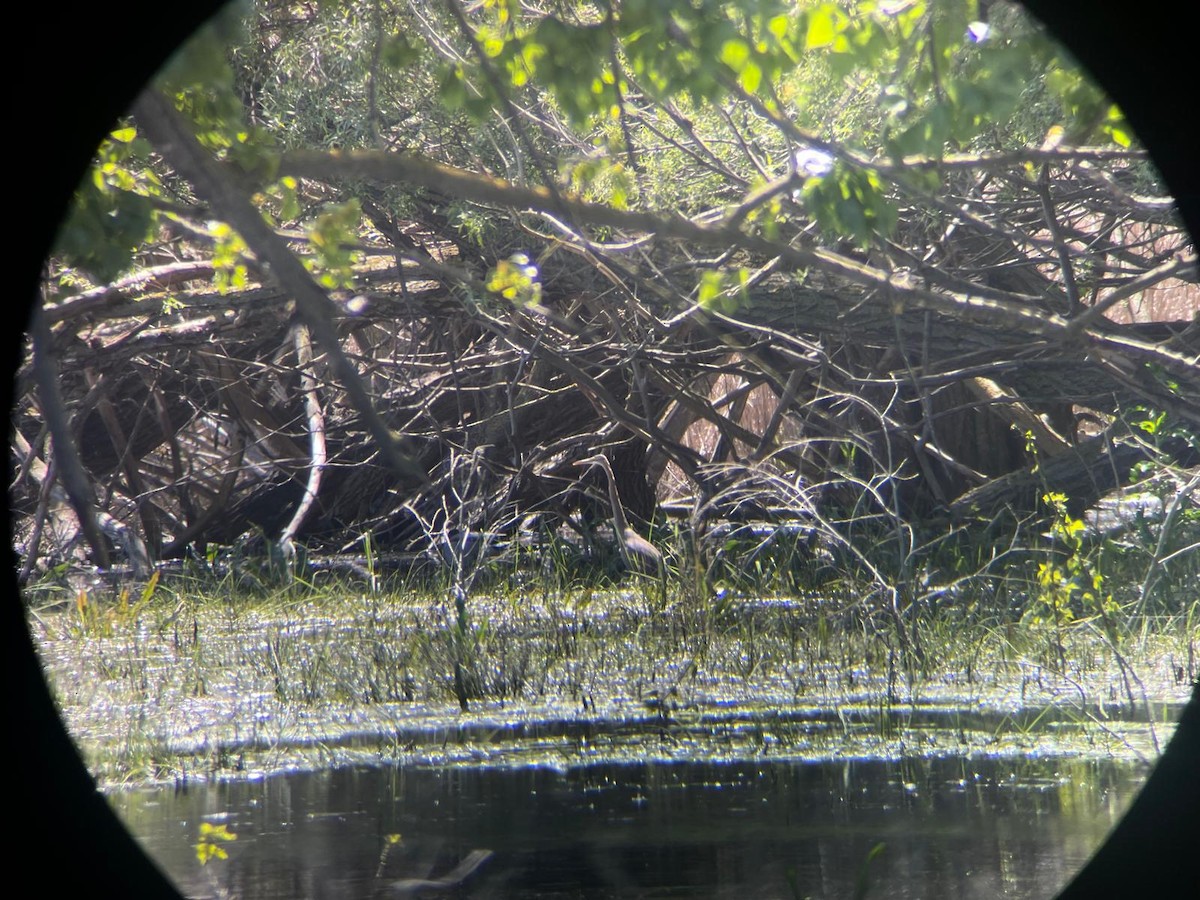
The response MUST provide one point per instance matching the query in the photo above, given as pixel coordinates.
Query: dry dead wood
(920, 375)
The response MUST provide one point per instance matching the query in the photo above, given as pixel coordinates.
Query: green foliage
(930, 79)
(212, 837)
(201, 81)
(602, 180)
(330, 238)
(285, 193)
(400, 51)
(1084, 106)
(1162, 430)
(879, 78)
(1070, 590)
(117, 208)
(229, 258)
(97, 620)
(723, 291)
(456, 94)
(1066, 585)
(516, 280)
(113, 213)
(572, 60)
(862, 882)
(203, 60)
(962, 82)
(850, 202)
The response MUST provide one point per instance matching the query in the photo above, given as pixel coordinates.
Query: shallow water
(949, 828)
(614, 752)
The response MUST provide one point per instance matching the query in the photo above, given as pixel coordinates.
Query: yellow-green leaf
(751, 77)
(820, 29)
(735, 53)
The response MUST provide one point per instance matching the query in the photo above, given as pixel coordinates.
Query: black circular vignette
(83, 70)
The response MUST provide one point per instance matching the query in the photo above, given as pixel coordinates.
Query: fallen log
(1083, 473)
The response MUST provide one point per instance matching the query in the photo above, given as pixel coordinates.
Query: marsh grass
(227, 666)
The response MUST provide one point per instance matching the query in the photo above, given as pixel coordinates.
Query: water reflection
(952, 827)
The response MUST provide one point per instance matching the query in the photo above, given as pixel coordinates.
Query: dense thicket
(391, 268)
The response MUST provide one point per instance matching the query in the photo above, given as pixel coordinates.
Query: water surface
(950, 827)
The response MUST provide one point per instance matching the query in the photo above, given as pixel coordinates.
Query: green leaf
(399, 52)
(712, 285)
(452, 88)
(516, 280)
(1120, 136)
(751, 77)
(735, 53)
(820, 29)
